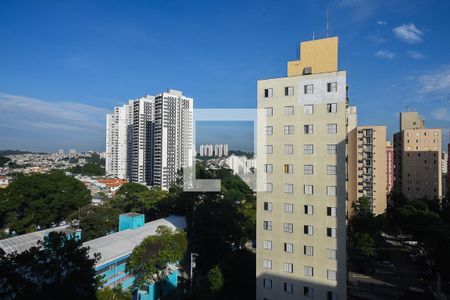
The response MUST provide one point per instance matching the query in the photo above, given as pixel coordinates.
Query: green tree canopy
(215, 279)
(41, 200)
(59, 268)
(89, 169)
(97, 220)
(152, 256)
(116, 293)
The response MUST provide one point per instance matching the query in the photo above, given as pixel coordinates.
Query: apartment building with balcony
(367, 162)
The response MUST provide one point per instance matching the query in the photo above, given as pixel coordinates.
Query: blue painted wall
(168, 285)
(131, 221)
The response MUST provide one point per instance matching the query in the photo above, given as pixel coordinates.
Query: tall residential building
(367, 164)
(116, 142)
(225, 150)
(417, 158)
(301, 213)
(389, 167)
(218, 150)
(444, 173)
(149, 139)
(174, 139)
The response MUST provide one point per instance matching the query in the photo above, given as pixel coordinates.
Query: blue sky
(65, 64)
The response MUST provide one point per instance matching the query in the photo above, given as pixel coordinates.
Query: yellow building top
(316, 56)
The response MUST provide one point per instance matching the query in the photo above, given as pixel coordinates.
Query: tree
(59, 268)
(4, 160)
(365, 243)
(215, 279)
(89, 169)
(41, 200)
(116, 293)
(151, 258)
(97, 220)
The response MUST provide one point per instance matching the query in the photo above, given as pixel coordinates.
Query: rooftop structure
(24, 242)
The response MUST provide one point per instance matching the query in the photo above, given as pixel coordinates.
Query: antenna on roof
(327, 21)
(313, 36)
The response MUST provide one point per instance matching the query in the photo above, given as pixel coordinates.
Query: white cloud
(28, 113)
(436, 82)
(376, 39)
(384, 54)
(416, 55)
(442, 114)
(382, 23)
(409, 33)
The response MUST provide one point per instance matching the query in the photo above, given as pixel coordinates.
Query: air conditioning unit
(307, 71)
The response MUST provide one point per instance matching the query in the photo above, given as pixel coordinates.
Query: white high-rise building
(149, 139)
(218, 150)
(173, 147)
(225, 150)
(116, 142)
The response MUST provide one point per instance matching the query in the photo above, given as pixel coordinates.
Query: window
(288, 267)
(268, 93)
(288, 110)
(308, 149)
(267, 283)
(289, 129)
(332, 128)
(267, 264)
(331, 253)
(308, 250)
(288, 287)
(331, 211)
(331, 191)
(289, 91)
(268, 168)
(332, 87)
(269, 130)
(268, 149)
(331, 232)
(288, 169)
(288, 188)
(331, 295)
(331, 275)
(308, 189)
(268, 206)
(308, 169)
(308, 229)
(309, 209)
(308, 129)
(308, 291)
(331, 169)
(309, 271)
(269, 111)
(267, 225)
(331, 148)
(308, 109)
(309, 89)
(288, 247)
(332, 107)
(268, 187)
(288, 227)
(267, 244)
(288, 208)
(288, 149)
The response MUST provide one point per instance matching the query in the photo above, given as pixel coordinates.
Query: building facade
(389, 167)
(367, 162)
(417, 158)
(149, 139)
(301, 211)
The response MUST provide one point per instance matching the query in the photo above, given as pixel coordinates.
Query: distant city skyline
(60, 77)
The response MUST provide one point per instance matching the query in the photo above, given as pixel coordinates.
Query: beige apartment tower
(417, 158)
(367, 167)
(301, 163)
